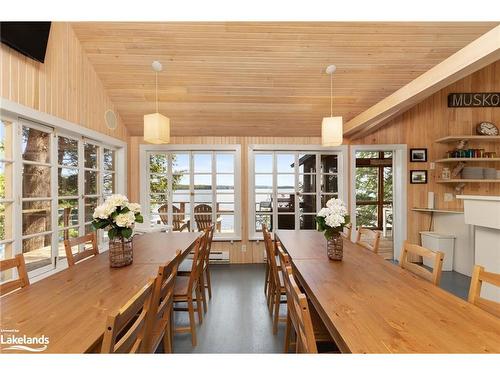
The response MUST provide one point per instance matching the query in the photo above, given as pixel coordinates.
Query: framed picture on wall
(418, 177)
(418, 155)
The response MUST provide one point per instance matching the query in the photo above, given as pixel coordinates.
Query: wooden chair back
(178, 224)
(347, 231)
(126, 329)
(90, 238)
(300, 315)
(210, 237)
(372, 235)
(437, 257)
(203, 216)
(479, 275)
(159, 320)
(22, 280)
(200, 248)
(271, 256)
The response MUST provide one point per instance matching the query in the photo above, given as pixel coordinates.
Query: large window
(61, 178)
(187, 189)
(288, 188)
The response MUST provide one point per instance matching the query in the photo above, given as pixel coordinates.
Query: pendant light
(156, 126)
(331, 127)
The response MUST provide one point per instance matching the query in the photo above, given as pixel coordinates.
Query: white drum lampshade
(156, 128)
(331, 131)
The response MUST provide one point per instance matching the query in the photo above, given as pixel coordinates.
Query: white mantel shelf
(480, 197)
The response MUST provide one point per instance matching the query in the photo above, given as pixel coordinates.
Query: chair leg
(192, 323)
(266, 280)
(287, 333)
(276, 310)
(270, 297)
(167, 343)
(209, 283)
(201, 286)
(198, 303)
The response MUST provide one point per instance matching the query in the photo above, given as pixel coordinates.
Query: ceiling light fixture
(156, 126)
(331, 127)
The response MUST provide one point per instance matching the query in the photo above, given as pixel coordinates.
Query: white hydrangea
(117, 200)
(125, 220)
(334, 213)
(103, 211)
(134, 207)
(324, 212)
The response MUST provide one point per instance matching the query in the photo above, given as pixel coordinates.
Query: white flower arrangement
(118, 216)
(332, 218)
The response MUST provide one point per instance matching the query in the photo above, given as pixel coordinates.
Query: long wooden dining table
(70, 307)
(370, 305)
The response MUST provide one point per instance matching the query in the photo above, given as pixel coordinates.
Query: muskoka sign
(474, 99)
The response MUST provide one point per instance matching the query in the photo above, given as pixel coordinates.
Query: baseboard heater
(216, 257)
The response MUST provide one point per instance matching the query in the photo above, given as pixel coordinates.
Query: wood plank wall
(254, 251)
(65, 86)
(432, 119)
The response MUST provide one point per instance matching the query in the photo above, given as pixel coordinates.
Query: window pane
(329, 164)
(329, 184)
(5, 180)
(307, 163)
(65, 234)
(225, 224)
(263, 182)
(67, 181)
(91, 182)
(307, 203)
(202, 163)
(263, 219)
(286, 202)
(158, 184)
(109, 159)
(181, 203)
(90, 155)
(286, 183)
(35, 145)
(225, 183)
(5, 140)
(90, 205)
(108, 183)
(67, 152)
(225, 163)
(263, 203)
(180, 163)
(263, 163)
(223, 199)
(158, 163)
(307, 183)
(67, 214)
(388, 184)
(366, 215)
(325, 198)
(180, 182)
(5, 220)
(307, 222)
(37, 251)
(36, 181)
(367, 155)
(366, 183)
(203, 182)
(89, 229)
(286, 221)
(285, 163)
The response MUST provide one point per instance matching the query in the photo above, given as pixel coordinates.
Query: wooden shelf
(457, 138)
(459, 180)
(452, 160)
(445, 211)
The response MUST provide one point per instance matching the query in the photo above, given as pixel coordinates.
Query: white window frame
(18, 115)
(146, 149)
(342, 168)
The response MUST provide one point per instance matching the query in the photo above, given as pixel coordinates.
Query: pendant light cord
(156, 90)
(331, 95)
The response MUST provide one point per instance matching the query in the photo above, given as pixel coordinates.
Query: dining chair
(277, 290)
(159, 325)
(479, 275)
(22, 279)
(186, 286)
(364, 235)
(347, 232)
(284, 263)
(81, 241)
(437, 257)
(126, 329)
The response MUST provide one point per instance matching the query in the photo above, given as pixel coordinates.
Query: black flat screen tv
(28, 38)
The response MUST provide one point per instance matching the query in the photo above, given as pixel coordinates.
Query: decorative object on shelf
(486, 128)
(461, 144)
(331, 127)
(418, 177)
(118, 216)
(156, 126)
(457, 169)
(446, 173)
(431, 200)
(474, 99)
(418, 155)
(331, 220)
(459, 187)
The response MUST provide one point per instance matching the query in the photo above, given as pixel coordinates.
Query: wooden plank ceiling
(261, 79)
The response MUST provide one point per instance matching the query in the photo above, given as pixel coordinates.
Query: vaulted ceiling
(267, 79)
